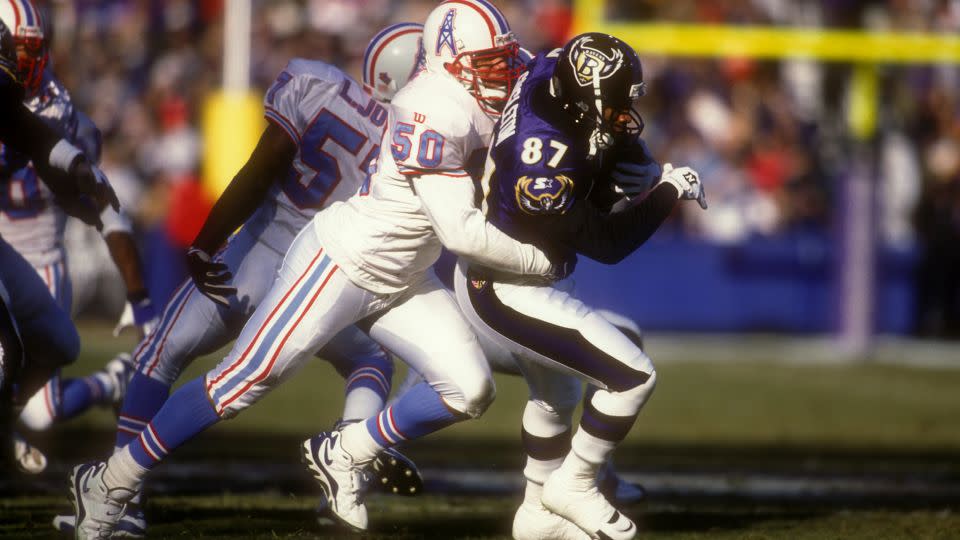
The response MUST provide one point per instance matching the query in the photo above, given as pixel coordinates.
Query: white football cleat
(133, 524)
(28, 457)
(395, 473)
(534, 522)
(97, 509)
(588, 509)
(341, 479)
(616, 489)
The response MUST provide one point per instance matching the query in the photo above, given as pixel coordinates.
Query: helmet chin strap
(600, 140)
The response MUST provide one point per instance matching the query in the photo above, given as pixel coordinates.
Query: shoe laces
(359, 480)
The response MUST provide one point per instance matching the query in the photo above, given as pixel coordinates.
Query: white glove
(128, 319)
(687, 182)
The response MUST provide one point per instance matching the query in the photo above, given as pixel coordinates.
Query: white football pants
(312, 300)
(192, 325)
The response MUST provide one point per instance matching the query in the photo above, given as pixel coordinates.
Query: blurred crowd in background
(767, 137)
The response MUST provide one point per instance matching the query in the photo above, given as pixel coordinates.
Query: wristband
(63, 155)
(142, 311)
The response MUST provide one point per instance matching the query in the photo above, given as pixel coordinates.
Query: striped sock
(187, 413)
(367, 388)
(78, 395)
(419, 412)
(144, 398)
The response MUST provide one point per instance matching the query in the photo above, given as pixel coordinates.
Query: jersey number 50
(429, 147)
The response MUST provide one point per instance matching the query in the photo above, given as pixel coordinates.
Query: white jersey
(337, 129)
(29, 218)
(381, 238)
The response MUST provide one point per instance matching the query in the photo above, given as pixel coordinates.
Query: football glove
(92, 182)
(687, 182)
(563, 267)
(210, 277)
(93, 193)
(140, 314)
(636, 172)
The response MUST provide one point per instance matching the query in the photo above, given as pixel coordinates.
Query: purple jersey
(540, 163)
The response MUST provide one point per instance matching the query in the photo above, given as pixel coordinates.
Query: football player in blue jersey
(568, 135)
(32, 223)
(79, 186)
(46, 339)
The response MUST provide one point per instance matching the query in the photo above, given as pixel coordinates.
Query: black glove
(636, 170)
(210, 277)
(91, 181)
(563, 266)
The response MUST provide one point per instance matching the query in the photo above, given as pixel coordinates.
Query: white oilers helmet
(471, 41)
(25, 23)
(391, 58)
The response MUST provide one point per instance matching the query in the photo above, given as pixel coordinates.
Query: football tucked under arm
(463, 229)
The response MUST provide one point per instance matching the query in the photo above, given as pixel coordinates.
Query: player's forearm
(464, 230)
(26, 133)
(271, 158)
(125, 256)
(609, 238)
(236, 204)
(484, 244)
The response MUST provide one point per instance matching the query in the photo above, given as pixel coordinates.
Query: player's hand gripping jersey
(30, 220)
(384, 237)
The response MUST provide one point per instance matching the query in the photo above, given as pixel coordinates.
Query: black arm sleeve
(271, 158)
(28, 134)
(24, 132)
(610, 237)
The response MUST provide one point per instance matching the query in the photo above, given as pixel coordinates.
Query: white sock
(533, 493)
(124, 473)
(586, 456)
(361, 403)
(358, 443)
(36, 415)
(592, 449)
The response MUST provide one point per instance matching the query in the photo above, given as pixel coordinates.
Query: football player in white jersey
(323, 130)
(367, 260)
(32, 223)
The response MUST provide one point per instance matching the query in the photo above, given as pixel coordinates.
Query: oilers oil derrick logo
(589, 63)
(544, 195)
(445, 37)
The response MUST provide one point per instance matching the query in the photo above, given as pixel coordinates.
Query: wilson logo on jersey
(544, 195)
(589, 63)
(445, 38)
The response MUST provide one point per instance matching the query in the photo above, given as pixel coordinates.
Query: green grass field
(861, 420)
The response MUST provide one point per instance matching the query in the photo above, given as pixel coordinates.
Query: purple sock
(144, 398)
(187, 413)
(419, 412)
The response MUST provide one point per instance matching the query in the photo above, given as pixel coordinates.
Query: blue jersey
(540, 166)
(28, 218)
